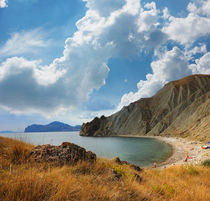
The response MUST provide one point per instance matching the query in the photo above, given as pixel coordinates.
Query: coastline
(181, 148)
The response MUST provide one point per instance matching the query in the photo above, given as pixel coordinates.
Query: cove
(140, 151)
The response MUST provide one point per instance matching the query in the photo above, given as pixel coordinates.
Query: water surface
(139, 151)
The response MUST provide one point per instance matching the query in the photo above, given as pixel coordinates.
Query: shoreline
(181, 148)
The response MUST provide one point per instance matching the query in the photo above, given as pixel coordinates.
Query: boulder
(66, 153)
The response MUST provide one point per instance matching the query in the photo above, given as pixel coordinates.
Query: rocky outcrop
(66, 153)
(119, 162)
(181, 108)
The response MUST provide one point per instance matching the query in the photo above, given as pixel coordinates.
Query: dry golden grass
(26, 180)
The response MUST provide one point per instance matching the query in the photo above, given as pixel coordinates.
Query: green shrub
(164, 189)
(192, 170)
(206, 163)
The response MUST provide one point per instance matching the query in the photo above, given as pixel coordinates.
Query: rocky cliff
(180, 108)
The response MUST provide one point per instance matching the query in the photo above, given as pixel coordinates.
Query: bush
(206, 163)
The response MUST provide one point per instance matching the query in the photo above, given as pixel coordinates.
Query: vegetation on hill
(23, 179)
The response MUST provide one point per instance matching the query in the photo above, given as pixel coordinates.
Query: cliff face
(181, 108)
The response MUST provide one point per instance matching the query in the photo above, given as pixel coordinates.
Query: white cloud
(104, 7)
(200, 7)
(26, 86)
(171, 65)
(174, 64)
(190, 53)
(206, 8)
(26, 42)
(109, 29)
(166, 13)
(148, 18)
(187, 30)
(3, 3)
(105, 31)
(202, 65)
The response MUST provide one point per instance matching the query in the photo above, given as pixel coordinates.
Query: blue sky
(74, 60)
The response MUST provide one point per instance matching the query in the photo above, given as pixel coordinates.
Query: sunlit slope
(180, 108)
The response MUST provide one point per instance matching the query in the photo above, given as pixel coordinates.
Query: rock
(66, 153)
(114, 174)
(118, 161)
(137, 177)
(135, 167)
(181, 108)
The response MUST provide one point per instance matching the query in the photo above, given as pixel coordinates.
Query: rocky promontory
(180, 108)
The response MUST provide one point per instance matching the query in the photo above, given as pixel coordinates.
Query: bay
(140, 151)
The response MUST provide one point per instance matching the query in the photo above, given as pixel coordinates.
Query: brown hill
(180, 108)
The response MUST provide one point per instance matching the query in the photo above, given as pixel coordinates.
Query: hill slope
(180, 108)
(55, 126)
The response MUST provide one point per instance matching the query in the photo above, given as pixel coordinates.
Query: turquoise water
(139, 151)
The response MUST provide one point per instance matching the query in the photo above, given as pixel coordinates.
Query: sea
(139, 151)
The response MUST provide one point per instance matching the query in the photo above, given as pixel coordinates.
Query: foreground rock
(181, 108)
(66, 153)
(117, 175)
(118, 161)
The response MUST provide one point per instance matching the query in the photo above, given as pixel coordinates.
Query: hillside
(24, 179)
(55, 126)
(180, 108)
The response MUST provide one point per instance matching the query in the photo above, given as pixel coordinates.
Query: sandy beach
(183, 148)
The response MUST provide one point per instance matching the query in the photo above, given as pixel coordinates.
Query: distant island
(55, 126)
(8, 132)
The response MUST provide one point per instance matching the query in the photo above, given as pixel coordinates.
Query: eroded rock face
(180, 108)
(66, 153)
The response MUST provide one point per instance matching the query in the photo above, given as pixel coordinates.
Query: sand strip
(183, 148)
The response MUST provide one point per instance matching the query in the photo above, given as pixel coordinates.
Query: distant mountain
(55, 126)
(8, 132)
(180, 108)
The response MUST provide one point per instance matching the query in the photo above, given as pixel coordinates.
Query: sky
(72, 60)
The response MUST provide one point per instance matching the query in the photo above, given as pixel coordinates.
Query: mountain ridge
(174, 110)
(54, 126)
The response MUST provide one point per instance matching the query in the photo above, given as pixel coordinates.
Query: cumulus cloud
(187, 30)
(201, 65)
(171, 65)
(121, 29)
(104, 7)
(201, 49)
(176, 63)
(3, 3)
(205, 9)
(26, 42)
